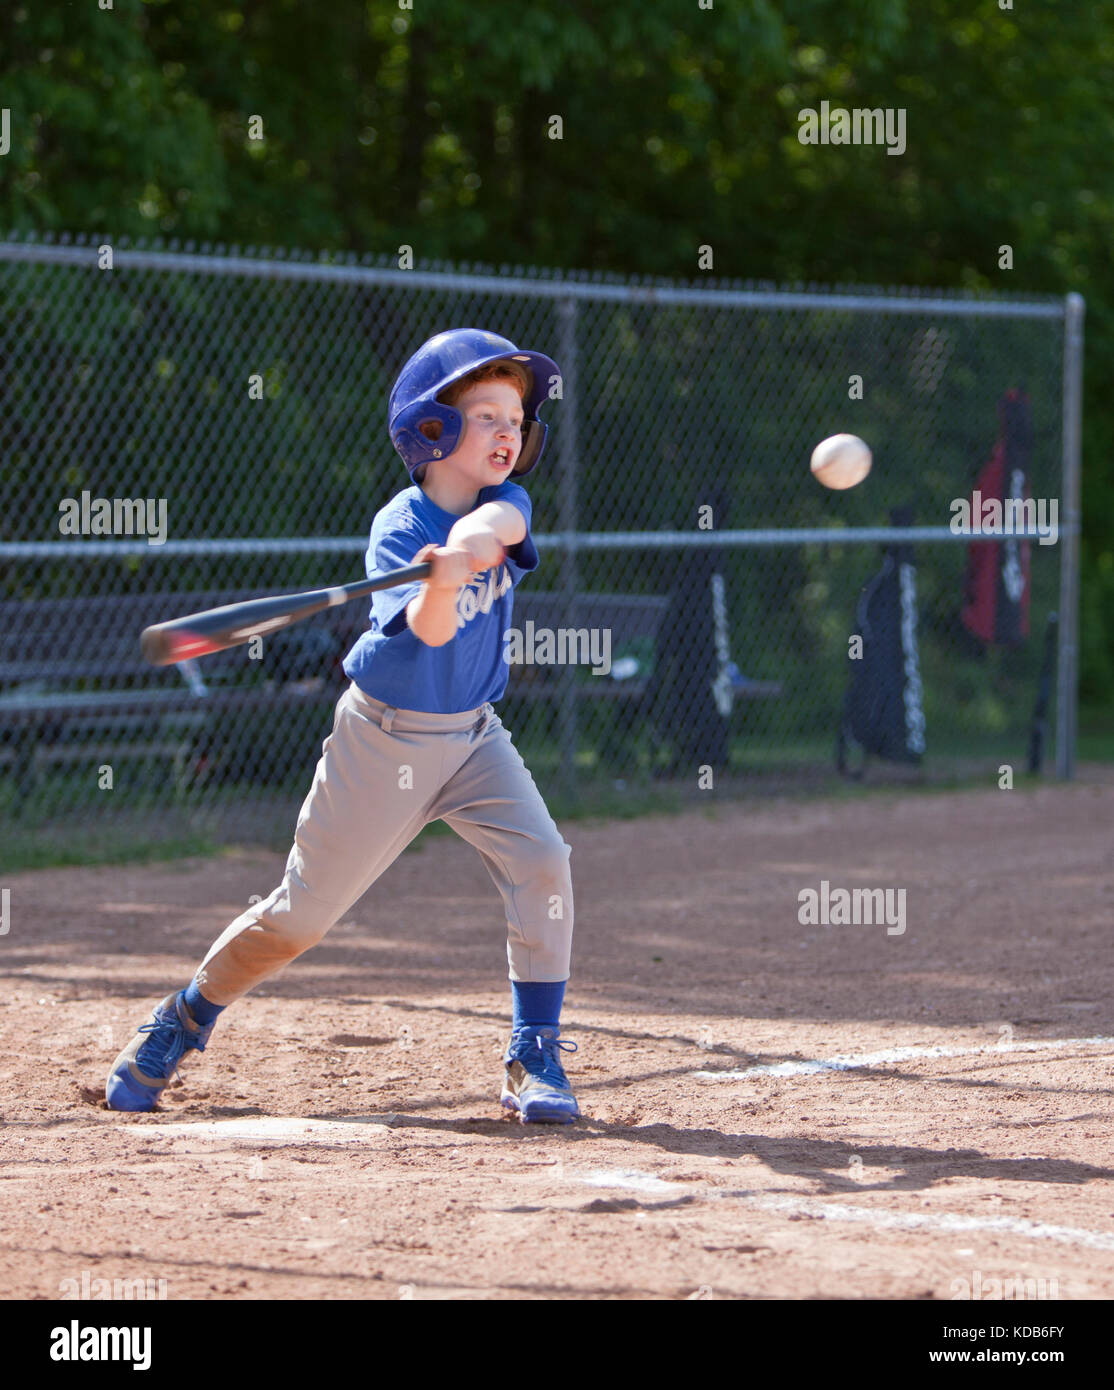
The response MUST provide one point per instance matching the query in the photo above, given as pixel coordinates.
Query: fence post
(569, 582)
(1067, 673)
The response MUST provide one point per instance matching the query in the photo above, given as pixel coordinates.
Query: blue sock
(537, 1004)
(202, 1010)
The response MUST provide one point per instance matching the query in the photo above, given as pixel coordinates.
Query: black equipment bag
(883, 713)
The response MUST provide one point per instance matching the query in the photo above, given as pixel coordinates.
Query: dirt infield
(771, 1109)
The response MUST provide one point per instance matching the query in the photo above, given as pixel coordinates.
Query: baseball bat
(721, 685)
(217, 629)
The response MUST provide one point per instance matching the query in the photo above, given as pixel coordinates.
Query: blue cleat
(535, 1084)
(143, 1070)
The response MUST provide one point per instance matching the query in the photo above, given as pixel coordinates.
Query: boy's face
(492, 439)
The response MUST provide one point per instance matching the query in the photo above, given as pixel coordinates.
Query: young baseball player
(415, 738)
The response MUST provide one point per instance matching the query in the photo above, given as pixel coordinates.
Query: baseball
(841, 461)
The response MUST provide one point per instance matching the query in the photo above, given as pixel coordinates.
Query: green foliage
(432, 127)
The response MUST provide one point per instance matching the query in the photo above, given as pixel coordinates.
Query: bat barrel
(219, 628)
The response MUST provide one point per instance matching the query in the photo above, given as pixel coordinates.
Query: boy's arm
(432, 615)
(499, 520)
(477, 541)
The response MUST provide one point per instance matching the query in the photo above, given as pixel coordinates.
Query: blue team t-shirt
(388, 662)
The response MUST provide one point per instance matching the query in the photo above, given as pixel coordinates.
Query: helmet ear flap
(416, 448)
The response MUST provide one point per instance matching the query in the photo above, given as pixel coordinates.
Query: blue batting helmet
(445, 358)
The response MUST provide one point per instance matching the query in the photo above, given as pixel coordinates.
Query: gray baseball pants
(383, 774)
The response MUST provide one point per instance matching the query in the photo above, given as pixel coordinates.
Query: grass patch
(225, 818)
(23, 850)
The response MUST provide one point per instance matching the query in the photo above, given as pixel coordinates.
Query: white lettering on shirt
(480, 593)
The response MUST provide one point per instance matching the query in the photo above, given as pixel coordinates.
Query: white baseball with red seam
(841, 461)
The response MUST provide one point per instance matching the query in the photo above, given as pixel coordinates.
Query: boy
(418, 715)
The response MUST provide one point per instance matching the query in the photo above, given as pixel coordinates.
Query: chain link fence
(180, 427)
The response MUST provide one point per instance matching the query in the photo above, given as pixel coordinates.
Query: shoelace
(175, 1046)
(550, 1049)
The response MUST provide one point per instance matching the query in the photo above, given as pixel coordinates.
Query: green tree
(678, 129)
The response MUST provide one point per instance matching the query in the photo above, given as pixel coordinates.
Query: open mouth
(500, 458)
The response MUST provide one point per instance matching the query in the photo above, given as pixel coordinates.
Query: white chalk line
(859, 1061)
(949, 1222)
(931, 1221)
